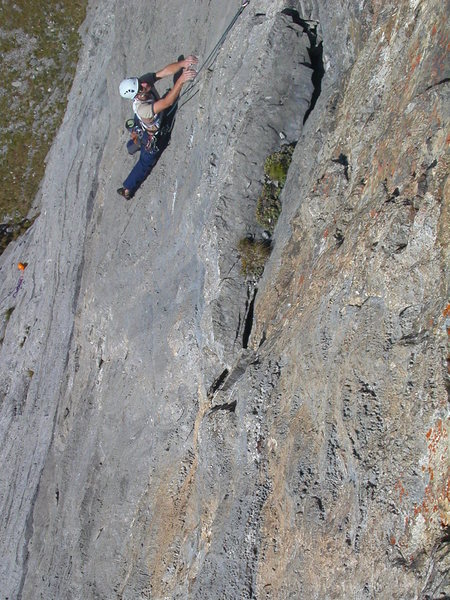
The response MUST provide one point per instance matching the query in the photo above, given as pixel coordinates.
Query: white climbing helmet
(128, 88)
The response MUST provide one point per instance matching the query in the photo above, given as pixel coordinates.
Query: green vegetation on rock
(277, 164)
(39, 46)
(254, 254)
(9, 312)
(268, 206)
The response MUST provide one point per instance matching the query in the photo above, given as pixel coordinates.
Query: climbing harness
(134, 126)
(210, 59)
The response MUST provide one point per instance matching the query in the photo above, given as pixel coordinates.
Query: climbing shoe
(125, 193)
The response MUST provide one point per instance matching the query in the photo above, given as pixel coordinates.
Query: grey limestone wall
(167, 433)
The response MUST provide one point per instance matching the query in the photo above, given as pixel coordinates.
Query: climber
(149, 109)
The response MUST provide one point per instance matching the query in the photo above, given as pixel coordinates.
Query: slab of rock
(167, 433)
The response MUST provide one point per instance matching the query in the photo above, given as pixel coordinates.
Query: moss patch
(277, 164)
(9, 312)
(254, 253)
(39, 46)
(268, 206)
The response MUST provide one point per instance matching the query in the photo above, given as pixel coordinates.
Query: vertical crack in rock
(248, 323)
(315, 54)
(217, 384)
(221, 391)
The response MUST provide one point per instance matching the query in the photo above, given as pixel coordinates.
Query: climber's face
(144, 91)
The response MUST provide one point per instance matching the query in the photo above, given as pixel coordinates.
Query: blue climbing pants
(142, 168)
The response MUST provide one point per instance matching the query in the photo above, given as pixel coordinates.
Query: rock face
(170, 430)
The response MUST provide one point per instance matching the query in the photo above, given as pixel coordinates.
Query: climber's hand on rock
(189, 61)
(187, 75)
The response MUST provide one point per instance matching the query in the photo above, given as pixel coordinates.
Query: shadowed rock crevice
(272, 115)
(218, 383)
(438, 83)
(224, 386)
(249, 315)
(230, 407)
(315, 52)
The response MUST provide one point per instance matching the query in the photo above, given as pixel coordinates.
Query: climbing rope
(207, 63)
(18, 286)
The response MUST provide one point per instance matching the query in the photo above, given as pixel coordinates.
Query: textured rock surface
(165, 433)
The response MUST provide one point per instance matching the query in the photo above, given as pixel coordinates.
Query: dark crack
(217, 384)
(248, 325)
(229, 407)
(315, 52)
(441, 82)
